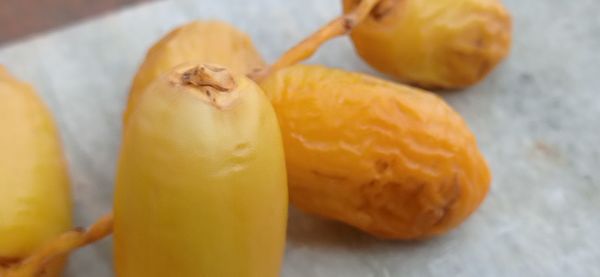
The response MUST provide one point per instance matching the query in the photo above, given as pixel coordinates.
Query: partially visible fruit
(198, 41)
(35, 198)
(201, 183)
(440, 44)
(394, 161)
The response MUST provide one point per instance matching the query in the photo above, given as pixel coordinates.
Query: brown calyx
(208, 78)
(213, 81)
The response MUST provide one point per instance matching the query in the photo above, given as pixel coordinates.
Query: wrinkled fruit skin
(201, 41)
(201, 185)
(394, 161)
(35, 198)
(441, 44)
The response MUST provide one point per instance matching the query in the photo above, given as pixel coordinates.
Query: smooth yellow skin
(201, 190)
(198, 41)
(440, 44)
(35, 199)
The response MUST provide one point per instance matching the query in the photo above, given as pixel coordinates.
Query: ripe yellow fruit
(35, 198)
(392, 160)
(441, 44)
(201, 184)
(198, 41)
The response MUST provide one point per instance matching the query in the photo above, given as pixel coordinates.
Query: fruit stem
(307, 47)
(35, 263)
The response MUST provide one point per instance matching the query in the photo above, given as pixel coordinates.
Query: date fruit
(437, 44)
(394, 161)
(201, 184)
(35, 196)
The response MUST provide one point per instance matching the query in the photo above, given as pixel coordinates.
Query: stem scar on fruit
(211, 76)
(210, 80)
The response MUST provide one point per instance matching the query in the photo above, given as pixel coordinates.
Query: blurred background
(23, 18)
(536, 117)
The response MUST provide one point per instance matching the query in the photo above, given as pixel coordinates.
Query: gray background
(537, 119)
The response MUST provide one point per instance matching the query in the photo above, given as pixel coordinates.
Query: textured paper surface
(537, 119)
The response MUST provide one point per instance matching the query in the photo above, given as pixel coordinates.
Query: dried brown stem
(307, 47)
(34, 264)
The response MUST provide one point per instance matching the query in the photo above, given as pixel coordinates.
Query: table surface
(537, 119)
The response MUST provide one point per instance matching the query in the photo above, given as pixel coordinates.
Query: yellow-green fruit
(201, 184)
(445, 44)
(35, 198)
(198, 41)
(392, 160)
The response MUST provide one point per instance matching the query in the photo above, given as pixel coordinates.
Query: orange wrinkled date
(394, 161)
(441, 44)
